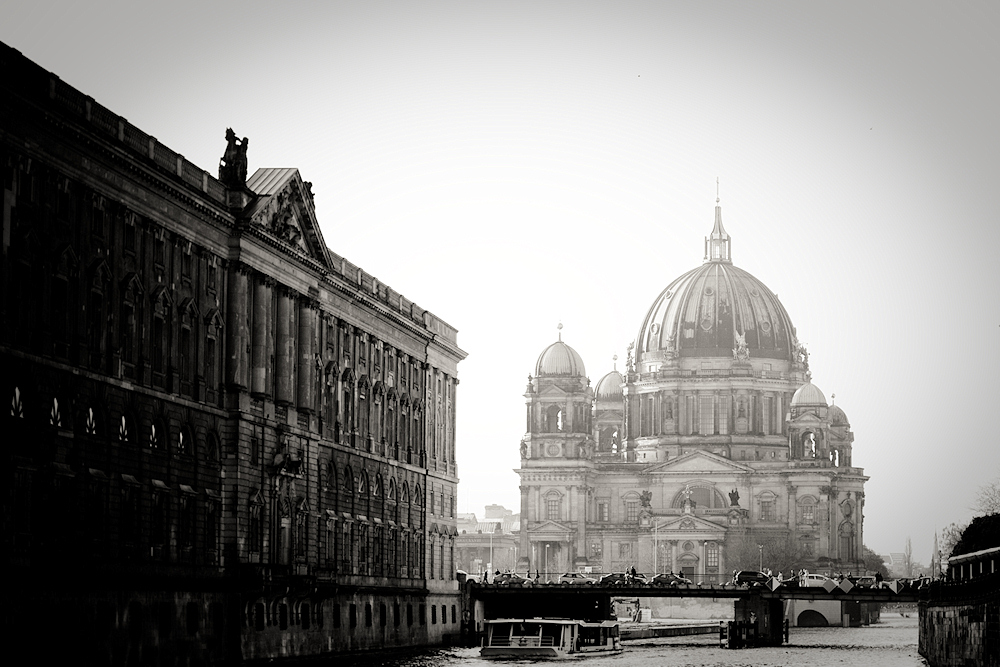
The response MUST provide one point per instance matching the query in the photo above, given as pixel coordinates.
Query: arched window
(160, 337)
(553, 419)
(128, 323)
(155, 434)
(55, 414)
(184, 441)
(256, 532)
(377, 489)
(126, 428)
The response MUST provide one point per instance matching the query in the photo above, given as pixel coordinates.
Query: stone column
(307, 364)
(673, 556)
(238, 343)
(525, 561)
(261, 341)
(285, 348)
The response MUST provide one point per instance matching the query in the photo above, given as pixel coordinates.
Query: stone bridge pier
(768, 614)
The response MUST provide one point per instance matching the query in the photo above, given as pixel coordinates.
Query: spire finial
(559, 327)
(718, 247)
(614, 363)
(833, 399)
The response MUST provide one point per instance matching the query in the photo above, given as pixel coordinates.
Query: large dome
(559, 359)
(702, 313)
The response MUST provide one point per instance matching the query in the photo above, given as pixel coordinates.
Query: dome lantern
(718, 246)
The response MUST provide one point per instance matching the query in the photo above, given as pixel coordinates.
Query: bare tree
(988, 498)
(950, 536)
(908, 558)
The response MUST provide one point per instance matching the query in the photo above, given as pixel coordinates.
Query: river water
(891, 643)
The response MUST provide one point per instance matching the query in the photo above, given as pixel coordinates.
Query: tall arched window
(553, 419)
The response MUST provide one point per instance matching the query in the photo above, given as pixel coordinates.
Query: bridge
(760, 604)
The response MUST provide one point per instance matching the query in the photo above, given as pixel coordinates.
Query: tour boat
(549, 638)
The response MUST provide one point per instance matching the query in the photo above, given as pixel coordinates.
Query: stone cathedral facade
(222, 440)
(712, 441)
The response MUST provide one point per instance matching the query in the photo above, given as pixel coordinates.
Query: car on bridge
(509, 579)
(750, 578)
(623, 579)
(813, 580)
(576, 579)
(670, 579)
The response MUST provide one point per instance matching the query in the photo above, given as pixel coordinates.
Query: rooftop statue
(233, 165)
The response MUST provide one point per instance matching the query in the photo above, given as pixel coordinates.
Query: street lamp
(546, 573)
(760, 563)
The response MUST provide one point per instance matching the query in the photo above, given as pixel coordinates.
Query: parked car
(576, 579)
(813, 581)
(623, 579)
(670, 579)
(511, 579)
(750, 578)
(865, 582)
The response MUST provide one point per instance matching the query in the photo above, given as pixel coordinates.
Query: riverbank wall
(960, 623)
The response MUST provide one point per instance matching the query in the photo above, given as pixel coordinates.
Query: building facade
(712, 451)
(224, 441)
(489, 545)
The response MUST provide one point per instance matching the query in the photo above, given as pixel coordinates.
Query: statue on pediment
(233, 165)
(645, 498)
(734, 498)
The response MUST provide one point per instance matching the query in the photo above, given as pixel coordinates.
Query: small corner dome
(808, 394)
(838, 417)
(559, 359)
(609, 387)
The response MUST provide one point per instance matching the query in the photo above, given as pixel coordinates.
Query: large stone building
(712, 451)
(223, 441)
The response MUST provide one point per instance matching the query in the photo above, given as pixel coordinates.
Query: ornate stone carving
(741, 352)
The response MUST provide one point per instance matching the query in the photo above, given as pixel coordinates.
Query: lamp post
(491, 548)
(760, 563)
(656, 547)
(546, 573)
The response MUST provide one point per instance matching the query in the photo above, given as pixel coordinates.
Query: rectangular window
(434, 614)
(552, 509)
(706, 415)
(632, 510)
(712, 555)
(625, 551)
(808, 513)
(603, 511)
(766, 417)
(767, 510)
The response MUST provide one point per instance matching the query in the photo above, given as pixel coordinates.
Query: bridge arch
(810, 618)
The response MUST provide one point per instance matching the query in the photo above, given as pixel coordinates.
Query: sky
(513, 165)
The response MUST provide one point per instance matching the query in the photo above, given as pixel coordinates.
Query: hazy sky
(511, 165)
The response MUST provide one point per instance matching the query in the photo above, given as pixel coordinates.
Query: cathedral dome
(808, 395)
(609, 387)
(705, 311)
(559, 359)
(838, 417)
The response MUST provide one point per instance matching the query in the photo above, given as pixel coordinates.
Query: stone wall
(960, 624)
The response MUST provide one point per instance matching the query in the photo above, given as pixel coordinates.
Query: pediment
(284, 210)
(688, 523)
(553, 390)
(549, 528)
(700, 462)
(807, 419)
